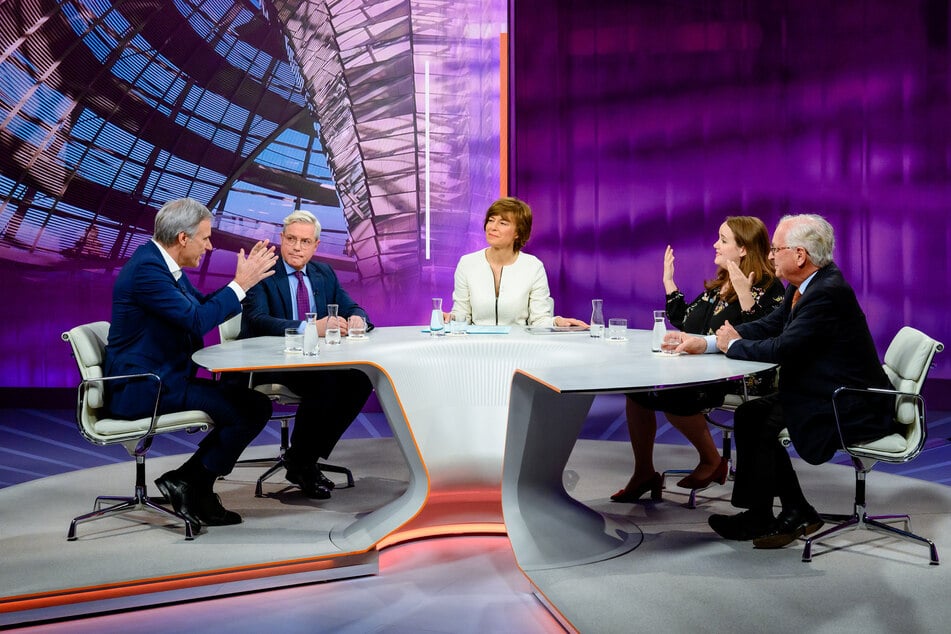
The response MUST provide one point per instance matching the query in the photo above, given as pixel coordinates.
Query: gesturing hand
(669, 285)
(258, 265)
(741, 283)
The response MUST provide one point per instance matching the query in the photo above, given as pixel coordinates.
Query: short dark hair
(515, 211)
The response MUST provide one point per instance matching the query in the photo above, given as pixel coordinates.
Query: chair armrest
(145, 376)
(877, 391)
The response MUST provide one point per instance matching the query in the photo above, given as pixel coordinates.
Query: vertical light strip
(504, 112)
(426, 151)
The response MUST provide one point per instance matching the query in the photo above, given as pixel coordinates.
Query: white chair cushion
(890, 445)
(89, 345)
(111, 430)
(907, 361)
(908, 353)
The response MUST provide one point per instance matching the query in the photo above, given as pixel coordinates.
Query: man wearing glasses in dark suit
(330, 399)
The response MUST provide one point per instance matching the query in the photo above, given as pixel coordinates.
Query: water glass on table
(458, 324)
(356, 328)
(617, 330)
(293, 341)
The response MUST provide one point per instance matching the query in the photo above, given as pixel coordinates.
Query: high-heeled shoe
(719, 476)
(654, 484)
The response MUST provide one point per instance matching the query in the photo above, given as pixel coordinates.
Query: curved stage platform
(679, 575)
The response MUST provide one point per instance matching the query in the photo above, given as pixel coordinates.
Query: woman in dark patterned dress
(745, 288)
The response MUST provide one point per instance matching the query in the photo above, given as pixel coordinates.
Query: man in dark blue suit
(330, 399)
(820, 338)
(158, 321)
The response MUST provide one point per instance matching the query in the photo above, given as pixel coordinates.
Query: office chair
(88, 343)
(907, 362)
(281, 395)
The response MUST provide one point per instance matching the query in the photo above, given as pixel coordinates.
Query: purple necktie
(303, 302)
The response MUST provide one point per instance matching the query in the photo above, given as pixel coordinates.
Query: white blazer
(524, 298)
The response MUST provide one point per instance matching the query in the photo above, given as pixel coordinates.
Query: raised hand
(741, 283)
(256, 266)
(669, 285)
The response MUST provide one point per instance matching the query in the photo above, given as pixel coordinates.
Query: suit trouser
(330, 401)
(763, 467)
(239, 415)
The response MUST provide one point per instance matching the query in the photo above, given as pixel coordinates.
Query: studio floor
(681, 577)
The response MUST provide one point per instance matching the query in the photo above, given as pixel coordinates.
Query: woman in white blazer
(502, 285)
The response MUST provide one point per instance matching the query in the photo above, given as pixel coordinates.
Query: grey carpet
(682, 578)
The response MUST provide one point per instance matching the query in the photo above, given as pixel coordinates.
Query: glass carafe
(332, 333)
(597, 318)
(435, 319)
(660, 329)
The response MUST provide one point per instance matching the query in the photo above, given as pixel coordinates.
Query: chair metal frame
(864, 458)
(282, 395)
(134, 439)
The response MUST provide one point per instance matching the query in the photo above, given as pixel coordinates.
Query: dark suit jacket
(268, 309)
(157, 323)
(822, 344)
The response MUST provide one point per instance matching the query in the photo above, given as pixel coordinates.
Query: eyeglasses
(304, 242)
(773, 250)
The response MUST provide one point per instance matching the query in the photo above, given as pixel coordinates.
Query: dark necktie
(303, 302)
(795, 298)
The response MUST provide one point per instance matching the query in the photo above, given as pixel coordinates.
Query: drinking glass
(357, 328)
(458, 324)
(617, 330)
(293, 341)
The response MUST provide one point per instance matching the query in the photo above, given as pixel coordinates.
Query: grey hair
(813, 233)
(176, 216)
(302, 215)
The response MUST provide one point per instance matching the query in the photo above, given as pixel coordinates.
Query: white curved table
(447, 400)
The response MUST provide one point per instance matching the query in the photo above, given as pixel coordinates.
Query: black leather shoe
(324, 480)
(789, 526)
(180, 495)
(740, 527)
(307, 481)
(212, 513)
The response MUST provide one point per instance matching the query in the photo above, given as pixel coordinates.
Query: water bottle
(310, 336)
(660, 329)
(435, 320)
(597, 319)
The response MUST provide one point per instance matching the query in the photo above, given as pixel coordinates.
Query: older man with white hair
(330, 399)
(820, 338)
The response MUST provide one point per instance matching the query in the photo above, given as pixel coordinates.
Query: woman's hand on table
(563, 322)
